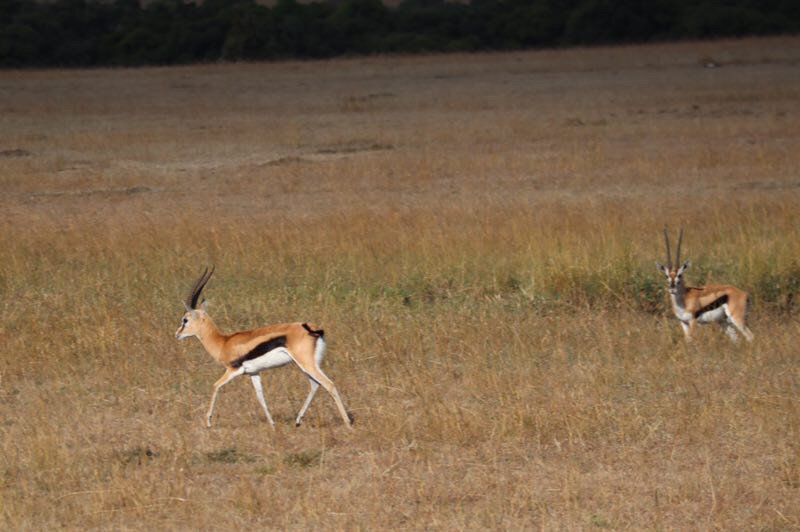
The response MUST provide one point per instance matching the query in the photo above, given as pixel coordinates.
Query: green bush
(86, 33)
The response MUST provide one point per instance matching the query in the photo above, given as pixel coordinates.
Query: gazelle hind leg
(730, 330)
(739, 323)
(307, 403)
(256, 380)
(227, 377)
(326, 383)
(744, 330)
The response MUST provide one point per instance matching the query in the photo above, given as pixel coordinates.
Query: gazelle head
(194, 318)
(673, 273)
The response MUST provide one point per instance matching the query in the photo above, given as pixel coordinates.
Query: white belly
(273, 359)
(718, 314)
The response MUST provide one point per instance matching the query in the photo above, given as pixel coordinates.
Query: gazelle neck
(211, 338)
(678, 299)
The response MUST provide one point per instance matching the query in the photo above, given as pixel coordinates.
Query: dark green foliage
(608, 21)
(125, 32)
(303, 459)
(230, 455)
(778, 290)
(137, 455)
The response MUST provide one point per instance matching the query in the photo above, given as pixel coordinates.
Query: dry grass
(477, 235)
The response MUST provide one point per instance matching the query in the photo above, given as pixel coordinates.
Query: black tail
(312, 332)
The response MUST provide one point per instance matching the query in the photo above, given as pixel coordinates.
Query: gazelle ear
(204, 305)
(686, 265)
(662, 268)
(186, 305)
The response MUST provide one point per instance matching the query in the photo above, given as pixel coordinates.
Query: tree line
(127, 32)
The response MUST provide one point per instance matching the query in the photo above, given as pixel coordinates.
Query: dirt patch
(768, 185)
(16, 152)
(95, 192)
(354, 147)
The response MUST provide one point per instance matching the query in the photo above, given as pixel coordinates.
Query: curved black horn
(194, 295)
(678, 252)
(666, 241)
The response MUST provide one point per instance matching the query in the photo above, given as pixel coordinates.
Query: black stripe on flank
(312, 332)
(711, 306)
(261, 349)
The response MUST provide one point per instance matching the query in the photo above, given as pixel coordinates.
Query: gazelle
(251, 352)
(723, 304)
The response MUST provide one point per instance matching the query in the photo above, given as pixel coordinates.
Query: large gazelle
(251, 352)
(721, 303)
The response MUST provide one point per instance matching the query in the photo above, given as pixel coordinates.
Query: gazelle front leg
(688, 328)
(256, 380)
(229, 375)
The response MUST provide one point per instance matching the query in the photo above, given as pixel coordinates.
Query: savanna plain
(477, 236)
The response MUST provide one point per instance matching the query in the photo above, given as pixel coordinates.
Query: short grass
(477, 235)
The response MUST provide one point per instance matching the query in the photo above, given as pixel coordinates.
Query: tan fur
(703, 304)
(227, 348)
(696, 298)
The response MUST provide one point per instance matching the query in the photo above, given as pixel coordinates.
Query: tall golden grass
(477, 234)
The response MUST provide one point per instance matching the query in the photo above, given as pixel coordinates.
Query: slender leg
(743, 329)
(314, 388)
(687, 331)
(326, 383)
(739, 324)
(256, 380)
(229, 375)
(730, 330)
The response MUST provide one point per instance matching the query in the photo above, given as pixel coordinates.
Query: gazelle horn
(666, 242)
(194, 295)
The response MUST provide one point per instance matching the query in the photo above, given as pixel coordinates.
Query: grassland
(476, 234)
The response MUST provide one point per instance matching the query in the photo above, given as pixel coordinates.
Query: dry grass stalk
(477, 235)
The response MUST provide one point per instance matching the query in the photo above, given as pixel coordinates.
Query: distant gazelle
(720, 303)
(251, 352)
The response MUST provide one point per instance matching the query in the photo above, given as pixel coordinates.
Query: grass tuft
(229, 455)
(302, 459)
